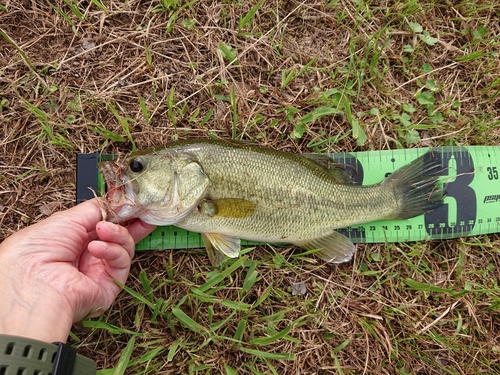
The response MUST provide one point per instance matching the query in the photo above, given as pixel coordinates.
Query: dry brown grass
(63, 75)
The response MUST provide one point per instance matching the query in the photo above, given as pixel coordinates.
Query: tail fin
(416, 187)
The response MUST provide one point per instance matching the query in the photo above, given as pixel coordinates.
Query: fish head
(158, 188)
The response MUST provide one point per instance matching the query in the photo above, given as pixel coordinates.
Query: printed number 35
(492, 173)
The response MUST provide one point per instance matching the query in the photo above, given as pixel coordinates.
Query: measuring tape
(471, 207)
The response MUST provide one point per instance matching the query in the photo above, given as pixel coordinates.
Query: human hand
(63, 268)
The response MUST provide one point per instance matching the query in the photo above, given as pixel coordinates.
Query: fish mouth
(116, 200)
(110, 172)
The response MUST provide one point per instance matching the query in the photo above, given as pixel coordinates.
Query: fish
(228, 191)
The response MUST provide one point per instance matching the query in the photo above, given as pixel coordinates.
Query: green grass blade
(138, 296)
(24, 174)
(18, 49)
(271, 339)
(100, 6)
(229, 370)
(151, 355)
(472, 56)
(263, 297)
(207, 117)
(171, 106)
(234, 107)
(146, 284)
(187, 321)
(75, 10)
(286, 77)
(173, 349)
(220, 324)
(357, 131)
(425, 287)
(157, 309)
(317, 113)
(124, 122)
(108, 134)
(203, 297)
(63, 15)
(342, 346)
(214, 327)
(251, 277)
(262, 354)
(236, 305)
(144, 110)
(240, 330)
(107, 326)
(222, 275)
(229, 53)
(250, 15)
(124, 360)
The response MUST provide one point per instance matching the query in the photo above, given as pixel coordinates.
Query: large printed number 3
(458, 213)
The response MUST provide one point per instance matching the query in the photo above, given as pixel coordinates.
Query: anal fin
(333, 248)
(222, 244)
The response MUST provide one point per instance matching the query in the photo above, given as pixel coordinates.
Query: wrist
(37, 317)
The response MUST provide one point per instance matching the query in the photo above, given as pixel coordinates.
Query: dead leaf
(299, 289)
(48, 209)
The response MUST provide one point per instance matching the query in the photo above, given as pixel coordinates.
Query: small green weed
(125, 123)
(248, 18)
(423, 35)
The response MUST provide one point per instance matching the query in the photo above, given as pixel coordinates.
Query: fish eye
(136, 165)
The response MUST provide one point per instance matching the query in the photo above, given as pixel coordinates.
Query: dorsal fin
(334, 170)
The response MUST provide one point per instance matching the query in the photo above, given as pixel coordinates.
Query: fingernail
(111, 226)
(102, 244)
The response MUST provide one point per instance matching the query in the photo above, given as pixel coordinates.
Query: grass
(301, 76)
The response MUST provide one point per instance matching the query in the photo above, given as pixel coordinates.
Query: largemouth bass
(229, 191)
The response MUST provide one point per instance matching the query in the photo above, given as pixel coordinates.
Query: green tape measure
(470, 176)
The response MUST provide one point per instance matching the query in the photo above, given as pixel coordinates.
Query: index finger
(139, 229)
(87, 214)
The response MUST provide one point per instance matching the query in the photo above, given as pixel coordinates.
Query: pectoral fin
(227, 207)
(223, 245)
(333, 248)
